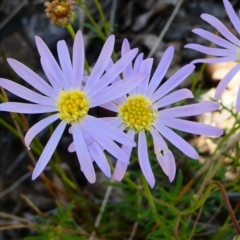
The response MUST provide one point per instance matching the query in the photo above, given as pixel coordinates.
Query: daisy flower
(142, 111)
(228, 50)
(70, 100)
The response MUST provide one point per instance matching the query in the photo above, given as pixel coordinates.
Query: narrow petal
(104, 141)
(189, 110)
(232, 15)
(191, 127)
(158, 141)
(215, 60)
(100, 159)
(112, 73)
(38, 127)
(125, 49)
(136, 69)
(26, 93)
(174, 97)
(167, 163)
(121, 167)
(50, 63)
(221, 28)
(217, 52)
(71, 147)
(48, 150)
(146, 67)
(111, 131)
(160, 71)
(110, 65)
(32, 78)
(50, 76)
(26, 108)
(214, 38)
(177, 141)
(65, 62)
(238, 100)
(115, 121)
(101, 64)
(173, 81)
(224, 82)
(83, 154)
(144, 160)
(78, 60)
(110, 106)
(118, 89)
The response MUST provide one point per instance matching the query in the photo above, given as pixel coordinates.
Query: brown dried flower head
(60, 11)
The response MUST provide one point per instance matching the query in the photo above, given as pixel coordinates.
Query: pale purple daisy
(71, 100)
(229, 49)
(142, 110)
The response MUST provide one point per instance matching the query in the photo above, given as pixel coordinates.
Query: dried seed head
(60, 11)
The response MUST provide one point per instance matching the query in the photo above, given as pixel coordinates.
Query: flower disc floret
(137, 113)
(73, 105)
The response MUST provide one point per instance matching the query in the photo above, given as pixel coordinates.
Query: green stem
(99, 8)
(150, 199)
(70, 30)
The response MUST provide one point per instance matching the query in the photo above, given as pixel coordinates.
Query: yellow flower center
(73, 105)
(137, 113)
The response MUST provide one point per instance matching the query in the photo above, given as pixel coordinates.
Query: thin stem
(162, 34)
(228, 205)
(70, 30)
(99, 8)
(102, 209)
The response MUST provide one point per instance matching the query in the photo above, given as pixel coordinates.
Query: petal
(26, 108)
(136, 69)
(65, 62)
(118, 89)
(189, 110)
(144, 160)
(115, 121)
(232, 15)
(38, 127)
(158, 141)
(214, 38)
(71, 147)
(177, 141)
(217, 52)
(49, 75)
(224, 82)
(100, 159)
(104, 141)
(125, 49)
(160, 71)
(83, 154)
(48, 150)
(78, 60)
(146, 67)
(174, 97)
(26, 93)
(50, 64)
(220, 27)
(110, 106)
(111, 131)
(32, 78)
(238, 101)
(113, 72)
(121, 167)
(167, 163)
(101, 64)
(191, 127)
(215, 60)
(173, 81)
